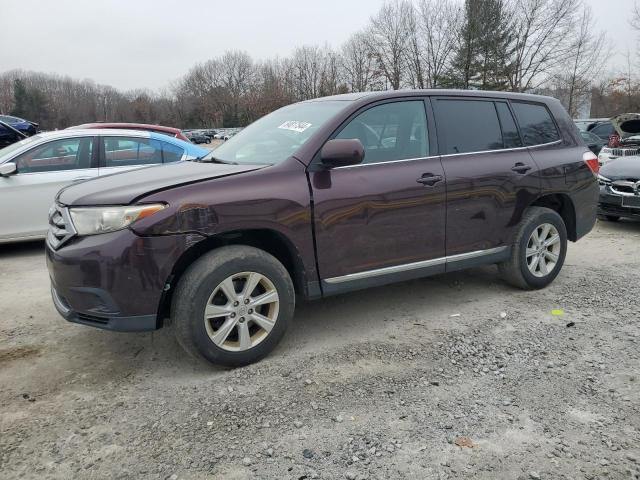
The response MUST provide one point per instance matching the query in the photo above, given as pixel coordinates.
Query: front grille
(621, 152)
(60, 227)
(626, 187)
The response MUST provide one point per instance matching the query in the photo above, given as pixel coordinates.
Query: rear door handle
(521, 168)
(79, 179)
(429, 179)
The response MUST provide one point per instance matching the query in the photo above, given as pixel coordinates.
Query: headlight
(95, 220)
(603, 180)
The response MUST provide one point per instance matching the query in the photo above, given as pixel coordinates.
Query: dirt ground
(454, 376)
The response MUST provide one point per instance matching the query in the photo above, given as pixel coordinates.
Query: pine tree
(481, 60)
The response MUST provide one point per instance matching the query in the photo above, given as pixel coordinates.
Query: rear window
(468, 126)
(536, 123)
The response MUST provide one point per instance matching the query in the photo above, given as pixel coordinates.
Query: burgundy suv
(320, 198)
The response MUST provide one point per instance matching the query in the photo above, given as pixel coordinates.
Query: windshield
(15, 146)
(277, 136)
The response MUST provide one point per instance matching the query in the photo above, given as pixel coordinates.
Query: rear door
(26, 196)
(119, 154)
(491, 176)
(382, 220)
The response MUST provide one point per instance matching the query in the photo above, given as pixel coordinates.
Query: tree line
(540, 46)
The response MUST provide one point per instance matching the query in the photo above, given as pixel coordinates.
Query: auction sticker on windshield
(295, 126)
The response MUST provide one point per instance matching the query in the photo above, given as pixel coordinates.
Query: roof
(379, 95)
(135, 126)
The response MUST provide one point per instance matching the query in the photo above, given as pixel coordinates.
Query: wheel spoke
(543, 266)
(534, 263)
(223, 332)
(545, 233)
(265, 323)
(244, 337)
(535, 238)
(531, 252)
(265, 298)
(551, 256)
(250, 285)
(214, 311)
(229, 290)
(552, 241)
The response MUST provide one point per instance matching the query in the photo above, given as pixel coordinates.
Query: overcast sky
(148, 43)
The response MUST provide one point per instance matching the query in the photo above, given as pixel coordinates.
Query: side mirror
(342, 152)
(7, 169)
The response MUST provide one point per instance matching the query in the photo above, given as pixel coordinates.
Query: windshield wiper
(219, 160)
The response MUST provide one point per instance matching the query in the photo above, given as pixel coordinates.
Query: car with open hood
(620, 189)
(626, 138)
(319, 198)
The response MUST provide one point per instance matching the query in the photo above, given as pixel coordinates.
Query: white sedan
(33, 170)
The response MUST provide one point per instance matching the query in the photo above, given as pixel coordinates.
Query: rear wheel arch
(268, 240)
(562, 204)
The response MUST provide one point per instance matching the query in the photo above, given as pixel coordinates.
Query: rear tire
(216, 319)
(538, 252)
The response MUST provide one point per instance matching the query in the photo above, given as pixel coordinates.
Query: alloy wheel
(543, 250)
(241, 311)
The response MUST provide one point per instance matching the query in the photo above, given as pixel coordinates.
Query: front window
(277, 136)
(57, 155)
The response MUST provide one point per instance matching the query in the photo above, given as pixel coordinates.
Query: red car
(173, 132)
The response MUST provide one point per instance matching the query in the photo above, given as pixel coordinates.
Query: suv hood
(627, 124)
(623, 168)
(126, 187)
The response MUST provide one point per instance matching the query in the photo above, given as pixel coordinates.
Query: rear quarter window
(536, 124)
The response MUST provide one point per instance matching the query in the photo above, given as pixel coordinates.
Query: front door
(491, 177)
(27, 195)
(382, 220)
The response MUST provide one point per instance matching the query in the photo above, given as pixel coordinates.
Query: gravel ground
(455, 376)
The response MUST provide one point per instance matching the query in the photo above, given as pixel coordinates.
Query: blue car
(25, 126)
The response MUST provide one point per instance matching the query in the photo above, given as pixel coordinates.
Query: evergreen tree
(29, 103)
(482, 56)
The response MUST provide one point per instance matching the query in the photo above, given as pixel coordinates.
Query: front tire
(233, 305)
(538, 252)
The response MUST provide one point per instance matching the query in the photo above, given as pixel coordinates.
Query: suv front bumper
(114, 281)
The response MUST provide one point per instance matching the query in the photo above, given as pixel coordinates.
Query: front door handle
(521, 168)
(429, 179)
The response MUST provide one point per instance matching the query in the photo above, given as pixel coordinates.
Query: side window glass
(466, 126)
(392, 131)
(604, 130)
(126, 151)
(510, 133)
(57, 155)
(171, 153)
(536, 123)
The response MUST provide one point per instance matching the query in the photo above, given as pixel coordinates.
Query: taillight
(592, 162)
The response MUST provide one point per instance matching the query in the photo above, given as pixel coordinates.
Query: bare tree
(389, 37)
(542, 39)
(359, 63)
(439, 24)
(589, 53)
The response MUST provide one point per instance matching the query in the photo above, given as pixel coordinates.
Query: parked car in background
(594, 142)
(625, 141)
(318, 198)
(172, 132)
(587, 124)
(620, 189)
(9, 135)
(34, 169)
(197, 137)
(25, 126)
(603, 129)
